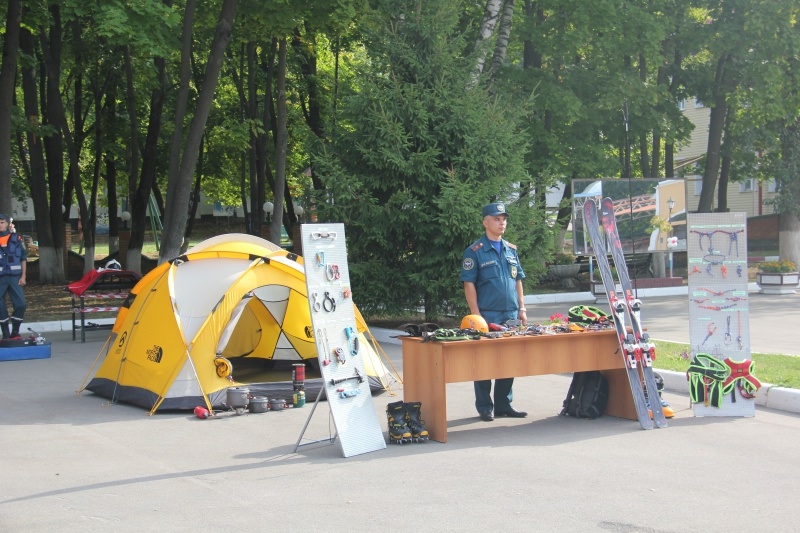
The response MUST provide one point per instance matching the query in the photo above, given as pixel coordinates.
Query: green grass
(776, 369)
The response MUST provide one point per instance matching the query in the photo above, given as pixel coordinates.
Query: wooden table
(429, 366)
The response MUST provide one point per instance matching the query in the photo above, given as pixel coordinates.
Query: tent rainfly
(230, 297)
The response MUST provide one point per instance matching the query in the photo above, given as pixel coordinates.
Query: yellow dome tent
(233, 296)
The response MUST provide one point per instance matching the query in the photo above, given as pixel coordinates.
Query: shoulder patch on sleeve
(468, 263)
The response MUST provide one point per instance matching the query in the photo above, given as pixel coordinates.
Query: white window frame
(747, 185)
(698, 104)
(682, 104)
(772, 185)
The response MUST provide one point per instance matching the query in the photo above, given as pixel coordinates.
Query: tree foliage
(414, 159)
(402, 116)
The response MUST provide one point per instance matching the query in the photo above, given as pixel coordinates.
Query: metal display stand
(340, 357)
(718, 302)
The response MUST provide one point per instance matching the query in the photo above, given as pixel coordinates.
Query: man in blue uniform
(492, 276)
(13, 265)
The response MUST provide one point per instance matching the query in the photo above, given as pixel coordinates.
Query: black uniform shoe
(512, 413)
(487, 417)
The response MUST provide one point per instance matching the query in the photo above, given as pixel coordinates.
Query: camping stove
(238, 399)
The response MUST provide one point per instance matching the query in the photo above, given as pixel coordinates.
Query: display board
(720, 370)
(339, 353)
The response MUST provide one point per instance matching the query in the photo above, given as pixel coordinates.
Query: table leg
(620, 397)
(423, 381)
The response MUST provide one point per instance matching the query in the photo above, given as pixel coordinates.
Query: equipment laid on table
(475, 322)
(586, 314)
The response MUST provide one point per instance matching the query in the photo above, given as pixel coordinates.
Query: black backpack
(587, 396)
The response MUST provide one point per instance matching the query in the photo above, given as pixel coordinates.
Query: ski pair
(636, 347)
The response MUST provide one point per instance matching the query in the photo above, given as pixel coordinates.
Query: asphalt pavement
(73, 462)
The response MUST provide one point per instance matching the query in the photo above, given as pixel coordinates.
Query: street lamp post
(298, 211)
(670, 206)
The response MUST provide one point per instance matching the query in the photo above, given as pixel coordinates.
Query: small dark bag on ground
(587, 396)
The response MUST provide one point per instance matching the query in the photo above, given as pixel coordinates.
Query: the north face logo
(155, 354)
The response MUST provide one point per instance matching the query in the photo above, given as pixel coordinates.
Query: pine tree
(415, 157)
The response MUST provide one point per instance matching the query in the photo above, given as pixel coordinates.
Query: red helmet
(475, 322)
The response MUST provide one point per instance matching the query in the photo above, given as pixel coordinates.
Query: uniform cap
(491, 210)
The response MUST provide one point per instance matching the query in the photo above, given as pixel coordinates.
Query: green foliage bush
(415, 157)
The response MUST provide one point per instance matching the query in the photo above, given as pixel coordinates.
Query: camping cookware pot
(238, 397)
(277, 404)
(258, 404)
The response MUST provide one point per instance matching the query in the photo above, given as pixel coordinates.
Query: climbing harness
(706, 374)
(741, 375)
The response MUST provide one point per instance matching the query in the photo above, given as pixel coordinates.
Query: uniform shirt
(12, 254)
(495, 277)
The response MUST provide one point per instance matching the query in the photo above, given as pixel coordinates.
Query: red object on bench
(99, 284)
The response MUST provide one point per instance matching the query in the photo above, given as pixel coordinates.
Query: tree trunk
(715, 128)
(280, 148)
(51, 267)
(564, 214)
(789, 183)
(253, 216)
(183, 89)
(179, 186)
(503, 37)
(724, 181)
(8, 75)
(789, 237)
(669, 160)
(490, 17)
(54, 145)
(725, 164)
(194, 201)
(313, 113)
(139, 201)
(133, 258)
(59, 119)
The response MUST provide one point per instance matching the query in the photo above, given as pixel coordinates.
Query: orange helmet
(475, 322)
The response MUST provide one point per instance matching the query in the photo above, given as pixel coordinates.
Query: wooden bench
(99, 294)
(429, 366)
